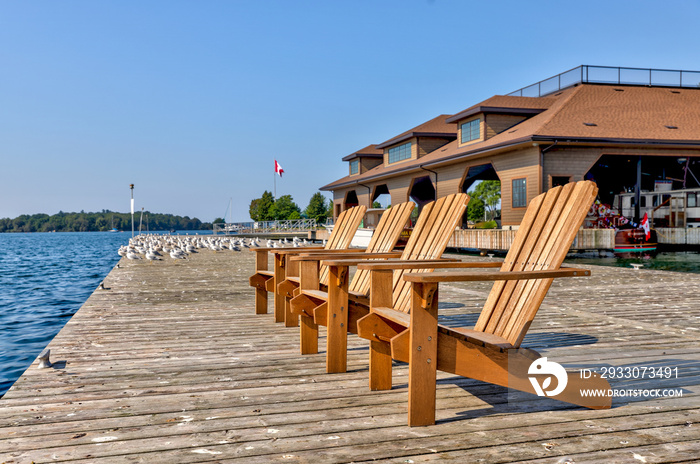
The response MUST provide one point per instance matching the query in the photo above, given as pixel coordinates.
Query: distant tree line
(267, 208)
(99, 222)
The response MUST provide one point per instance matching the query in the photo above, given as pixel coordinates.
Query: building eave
(410, 135)
(495, 110)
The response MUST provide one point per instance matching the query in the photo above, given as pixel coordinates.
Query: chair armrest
(279, 250)
(442, 263)
(387, 264)
(487, 276)
(344, 256)
(297, 250)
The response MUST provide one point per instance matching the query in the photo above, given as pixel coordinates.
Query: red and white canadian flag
(278, 168)
(645, 226)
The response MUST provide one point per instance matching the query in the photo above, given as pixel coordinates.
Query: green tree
(101, 223)
(489, 192)
(475, 210)
(376, 204)
(260, 208)
(283, 208)
(218, 221)
(318, 208)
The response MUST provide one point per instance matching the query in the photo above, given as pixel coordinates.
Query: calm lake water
(683, 261)
(46, 277)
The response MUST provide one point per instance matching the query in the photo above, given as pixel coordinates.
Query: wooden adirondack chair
(383, 240)
(405, 328)
(264, 280)
(345, 303)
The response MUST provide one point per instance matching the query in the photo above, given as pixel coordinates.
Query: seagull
(131, 255)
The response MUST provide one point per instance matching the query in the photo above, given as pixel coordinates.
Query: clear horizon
(193, 101)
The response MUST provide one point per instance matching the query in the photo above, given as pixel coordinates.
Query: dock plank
(172, 365)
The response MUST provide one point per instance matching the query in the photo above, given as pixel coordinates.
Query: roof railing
(611, 75)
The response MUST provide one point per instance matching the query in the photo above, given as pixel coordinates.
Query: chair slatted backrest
(542, 241)
(429, 238)
(383, 240)
(342, 234)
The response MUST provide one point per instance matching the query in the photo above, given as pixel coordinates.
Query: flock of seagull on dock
(152, 247)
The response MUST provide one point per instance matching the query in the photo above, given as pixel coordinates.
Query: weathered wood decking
(170, 364)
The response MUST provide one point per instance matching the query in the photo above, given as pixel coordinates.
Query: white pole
(132, 209)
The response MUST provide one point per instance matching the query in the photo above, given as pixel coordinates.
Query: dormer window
(400, 153)
(470, 130)
(354, 167)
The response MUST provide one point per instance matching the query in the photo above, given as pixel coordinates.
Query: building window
(400, 153)
(354, 167)
(471, 130)
(519, 193)
(692, 200)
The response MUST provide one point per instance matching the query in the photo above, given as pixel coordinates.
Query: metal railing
(266, 227)
(611, 75)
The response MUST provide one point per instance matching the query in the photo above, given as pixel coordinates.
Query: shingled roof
(593, 113)
(506, 105)
(370, 151)
(436, 127)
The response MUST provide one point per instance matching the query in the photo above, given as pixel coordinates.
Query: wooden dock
(170, 365)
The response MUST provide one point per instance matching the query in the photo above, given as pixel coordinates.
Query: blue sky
(193, 100)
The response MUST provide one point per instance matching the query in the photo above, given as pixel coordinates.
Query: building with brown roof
(605, 124)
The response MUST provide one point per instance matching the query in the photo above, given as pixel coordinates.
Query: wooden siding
(497, 123)
(368, 163)
(574, 162)
(427, 145)
(516, 165)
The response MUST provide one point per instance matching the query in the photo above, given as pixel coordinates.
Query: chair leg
(280, 275)
(337, 335)
(290, 319)
(260, 301)
(379, 366)
(308, 335)
(422, 364)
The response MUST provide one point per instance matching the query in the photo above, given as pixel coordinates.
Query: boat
(630, 238)
(665, 206)
(113, 229)
(630, 242)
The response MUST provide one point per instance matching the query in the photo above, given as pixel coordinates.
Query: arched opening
(381, 196)
(475, 173)
(421, 192)
(350, 200)
(476, 210)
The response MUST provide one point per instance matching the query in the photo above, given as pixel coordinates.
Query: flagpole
(274, 177)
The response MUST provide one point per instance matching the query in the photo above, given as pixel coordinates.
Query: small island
(99, 222)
